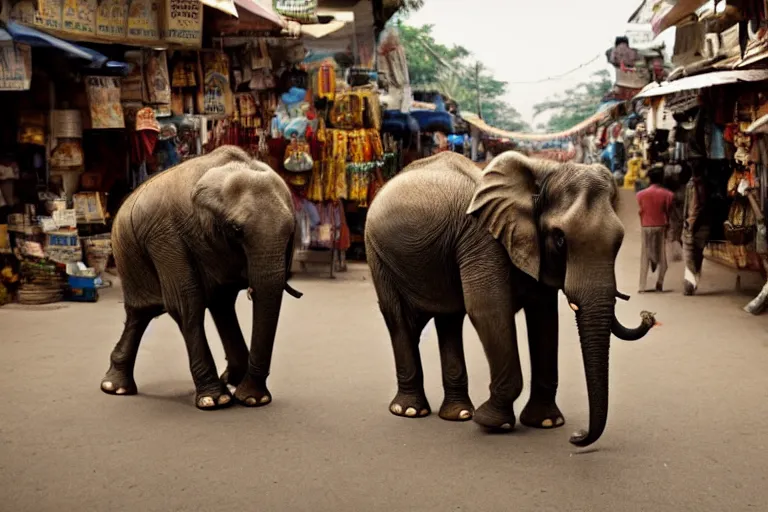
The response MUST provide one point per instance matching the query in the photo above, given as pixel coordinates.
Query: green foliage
(576, 104)
(451, 71)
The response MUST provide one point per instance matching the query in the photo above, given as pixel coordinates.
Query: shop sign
(15, 67)
(104, 102)
(143, 20)
(79, 17)
(217, 94)
(184, 22)
(639, 34)
(111, 19)
(48, 16)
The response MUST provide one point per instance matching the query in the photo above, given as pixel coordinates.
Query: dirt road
(686, 427)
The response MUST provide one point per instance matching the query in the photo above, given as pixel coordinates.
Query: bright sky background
(524, 40)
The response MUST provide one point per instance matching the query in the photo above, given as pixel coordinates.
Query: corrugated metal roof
(704, 80)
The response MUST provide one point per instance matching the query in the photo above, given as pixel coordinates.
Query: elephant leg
(542, 320)
(457, 405)
(224, 317)
(405, 330)
(186, 307)
(491, 308)
(267, 301)
(119, 377)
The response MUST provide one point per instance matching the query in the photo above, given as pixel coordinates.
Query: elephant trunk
(594, 319)
(627, 334)
(266, 275)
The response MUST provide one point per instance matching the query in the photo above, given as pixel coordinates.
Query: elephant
(191, 238)
(445, 240)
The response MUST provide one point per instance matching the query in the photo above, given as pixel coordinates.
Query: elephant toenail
(396, 408)
(547, 423)
(120, 391)
(506, 426)
(265, 399)
(206, 401)
(224, 399)
(410, 412)
(250, 401)
(465, 415)
(559, 420)
(107, 386)
(423, 412)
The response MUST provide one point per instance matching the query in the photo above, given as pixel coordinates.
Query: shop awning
(260, 8)
(26, 35)
(668, 13)
(539, 137)
(704, 80)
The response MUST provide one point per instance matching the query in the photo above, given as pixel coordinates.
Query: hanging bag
(303, 11)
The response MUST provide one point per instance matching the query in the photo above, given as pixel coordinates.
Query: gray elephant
(445, 240)
(192, 238)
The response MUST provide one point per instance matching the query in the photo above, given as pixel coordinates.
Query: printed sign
(184, 22)
(143, 20)
(79, 17)
(15, 67)
(104, 102)
(111, 19)
(47, 17)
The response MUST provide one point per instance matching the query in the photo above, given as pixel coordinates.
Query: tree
(576, 104)
(450, 70)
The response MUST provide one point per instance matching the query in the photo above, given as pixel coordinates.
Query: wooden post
(477, 90)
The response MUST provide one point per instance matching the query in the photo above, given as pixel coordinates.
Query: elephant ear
(504, 205)
(208, 191)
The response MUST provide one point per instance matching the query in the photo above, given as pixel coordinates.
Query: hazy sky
(524, 40)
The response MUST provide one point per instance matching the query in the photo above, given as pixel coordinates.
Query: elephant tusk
(292, 291)
(622, 296)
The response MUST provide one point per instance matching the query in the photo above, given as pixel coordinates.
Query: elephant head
(558, 223)
(249, 204)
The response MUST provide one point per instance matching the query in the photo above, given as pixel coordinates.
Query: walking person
(655, 208)
(695, 229)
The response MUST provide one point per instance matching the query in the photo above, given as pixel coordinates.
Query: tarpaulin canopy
(668, 13)
(26, 35)
(29, 36)
(702, 81)
(539, 137)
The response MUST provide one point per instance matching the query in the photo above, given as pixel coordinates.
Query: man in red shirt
(655, 204)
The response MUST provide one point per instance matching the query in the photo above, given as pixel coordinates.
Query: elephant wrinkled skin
(192, 238)
(445, 240)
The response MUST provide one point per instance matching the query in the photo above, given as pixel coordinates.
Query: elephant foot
(410, 406)
(117, 382)
(232, 377)
(494, 418)
(217, 397)
(542, 415)
(252, 393)
(457, 410)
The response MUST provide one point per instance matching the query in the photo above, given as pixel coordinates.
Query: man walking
(655, 207)
(695, 229)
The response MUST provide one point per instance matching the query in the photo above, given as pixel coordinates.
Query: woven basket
(38, 294)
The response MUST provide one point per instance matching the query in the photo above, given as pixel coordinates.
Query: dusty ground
(686, 428)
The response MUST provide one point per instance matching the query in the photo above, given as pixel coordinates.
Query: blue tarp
(37, 39)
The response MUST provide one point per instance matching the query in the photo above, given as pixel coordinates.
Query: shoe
(659, 287)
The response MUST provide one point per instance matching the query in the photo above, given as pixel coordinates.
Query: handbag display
(298, 157)
(304, 11)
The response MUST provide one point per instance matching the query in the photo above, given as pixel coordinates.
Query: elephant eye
(236, 229)
(559, 238)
